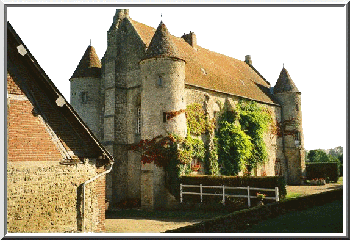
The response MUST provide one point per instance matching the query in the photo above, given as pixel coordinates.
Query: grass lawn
(319, 219)
(293, 195)
(340, 180)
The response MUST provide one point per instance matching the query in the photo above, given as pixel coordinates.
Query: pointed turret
(89, 65)
(285, 83)
(85, 89)
(161, 44)
(289, 97)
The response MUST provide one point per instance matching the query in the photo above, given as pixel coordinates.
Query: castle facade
(146, 73)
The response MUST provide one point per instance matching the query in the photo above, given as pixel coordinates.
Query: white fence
(223, 194)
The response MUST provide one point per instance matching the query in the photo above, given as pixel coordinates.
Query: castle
(146, 73)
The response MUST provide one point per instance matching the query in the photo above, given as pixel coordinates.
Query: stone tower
(121, 94)
(85, 90)
(289, 98)
(163, 91)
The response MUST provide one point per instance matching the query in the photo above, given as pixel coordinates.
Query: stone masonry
(146, 72)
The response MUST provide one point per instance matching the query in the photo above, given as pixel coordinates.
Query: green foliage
(326, 170)
(246, 127)
(211, 159)
(255, 122)
(190, 149)
(234, 148)
(196, 122)
(320, 156)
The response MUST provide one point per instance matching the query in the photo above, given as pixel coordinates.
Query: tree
(318, 155)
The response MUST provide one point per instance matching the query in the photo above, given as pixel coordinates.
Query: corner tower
(163, 91)
(85, 90)
(289, 98)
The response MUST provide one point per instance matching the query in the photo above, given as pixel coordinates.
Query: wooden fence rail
(223, 194)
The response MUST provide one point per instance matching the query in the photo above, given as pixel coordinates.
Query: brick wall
(42, 194)
(28, 138)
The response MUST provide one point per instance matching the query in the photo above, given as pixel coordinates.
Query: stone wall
(85, 97)
(293, 130)
(45, 197)
(121, 91)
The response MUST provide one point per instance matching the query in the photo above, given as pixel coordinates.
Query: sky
(309, 41)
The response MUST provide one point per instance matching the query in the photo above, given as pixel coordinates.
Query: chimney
(248, 59)
(191, 39)
(120, 14)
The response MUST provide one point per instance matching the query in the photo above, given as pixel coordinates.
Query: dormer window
(160, 81)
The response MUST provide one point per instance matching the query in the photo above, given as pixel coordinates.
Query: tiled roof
(89, 65)
(161, 44)
(215, 71)
(285, 83)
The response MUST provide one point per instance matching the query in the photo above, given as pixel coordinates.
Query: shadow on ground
(168, 216)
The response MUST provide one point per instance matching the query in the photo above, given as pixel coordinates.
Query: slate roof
(161, 44)
(64, 121)
(89, 65)
(285, 83)
(211, 70)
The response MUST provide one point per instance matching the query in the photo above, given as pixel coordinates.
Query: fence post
(223, 194)
(248, 196)
(201, 192)
(277, 194)
(180, 192)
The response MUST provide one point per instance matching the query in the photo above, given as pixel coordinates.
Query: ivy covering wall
(234, 142)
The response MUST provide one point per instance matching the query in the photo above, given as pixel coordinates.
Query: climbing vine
(255, 121)
(240, 137)
(234, 142)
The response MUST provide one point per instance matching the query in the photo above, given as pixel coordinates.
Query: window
(160, 81)
(164, 117)
(297, 107)
(84, 97)
(138, 121)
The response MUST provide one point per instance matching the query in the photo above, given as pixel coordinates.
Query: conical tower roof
(89, 65)
(161, 44)
(285, 83)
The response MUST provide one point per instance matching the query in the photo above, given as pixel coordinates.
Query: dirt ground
(308, 189)
(142, 225)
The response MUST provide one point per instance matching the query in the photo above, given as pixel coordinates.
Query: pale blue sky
(310, 41)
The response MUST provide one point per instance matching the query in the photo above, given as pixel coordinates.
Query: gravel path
(142, 225)
(308, 189)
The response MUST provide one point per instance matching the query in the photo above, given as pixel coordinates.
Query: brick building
(55, 165)
(146, 73)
